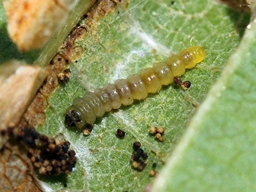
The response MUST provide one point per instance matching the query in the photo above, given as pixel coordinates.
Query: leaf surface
(125, 42)
(217, 151)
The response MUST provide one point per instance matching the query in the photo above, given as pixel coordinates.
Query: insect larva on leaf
(85, 110)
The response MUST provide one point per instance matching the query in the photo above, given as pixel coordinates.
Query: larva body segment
(95, 104)
(113, 95)
(164, 73)
(137, 87)
(150, 80)
(85, 110)
(176, 65)
(124, 92)
(191, 56)
(105, 100)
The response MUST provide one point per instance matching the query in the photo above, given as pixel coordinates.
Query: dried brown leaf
(18, 85)
(16, 171)
(31, 23)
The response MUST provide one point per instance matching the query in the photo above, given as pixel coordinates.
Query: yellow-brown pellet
(153, 130)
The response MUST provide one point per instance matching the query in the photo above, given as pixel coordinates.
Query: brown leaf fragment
(16, 171)
(240, 5)
(31, 23)
(98, 11)
(88, 23)
(18, 85)
(35, 114)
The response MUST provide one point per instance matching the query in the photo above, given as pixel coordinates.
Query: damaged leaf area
(126, 40)
(114, 40)
(16, 170)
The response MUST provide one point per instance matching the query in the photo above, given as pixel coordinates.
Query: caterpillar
(85, 110)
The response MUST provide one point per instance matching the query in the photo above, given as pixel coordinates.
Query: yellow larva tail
(192, 55)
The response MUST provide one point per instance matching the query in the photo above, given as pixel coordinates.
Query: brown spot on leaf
(35, 113)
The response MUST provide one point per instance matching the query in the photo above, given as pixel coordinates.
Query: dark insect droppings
(120, 133)
(50, 156)
(185, 85)
(136, 145)
(138, 159)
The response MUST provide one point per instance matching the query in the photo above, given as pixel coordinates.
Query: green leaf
(125, 42)
(217, 152)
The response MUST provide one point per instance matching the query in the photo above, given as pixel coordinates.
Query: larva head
(192, 55)
(73, 118)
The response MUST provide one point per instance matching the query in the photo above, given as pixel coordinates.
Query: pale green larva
(85, 110)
